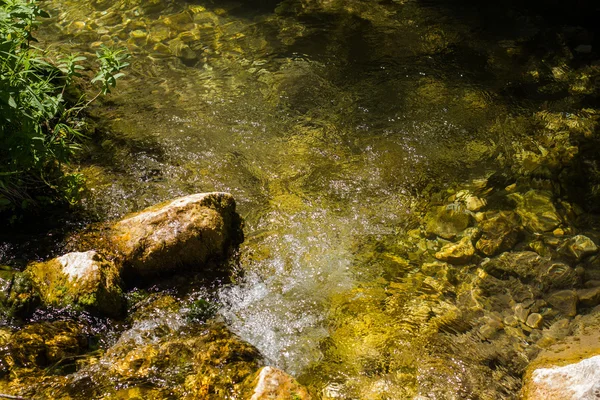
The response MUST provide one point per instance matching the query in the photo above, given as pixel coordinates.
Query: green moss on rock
(82, 280)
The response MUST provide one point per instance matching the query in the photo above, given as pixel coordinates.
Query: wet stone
(521, 312)
(564, 301)
(559, 276)
(578, 247)
(446, 222)
(525, 265)
(45, 343)
(487, 331)
(537, 210)
(82, 280)
(589, 297)
(18, 297)
(499, 233)
(535, 321)
(511, 321)
(457, 253)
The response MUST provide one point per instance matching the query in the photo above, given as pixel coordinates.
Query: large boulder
(185, 232)
(81, 280)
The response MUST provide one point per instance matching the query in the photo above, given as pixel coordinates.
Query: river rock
(185, 232)
(589, 297)
(202, 361)
(537, 210)
(565, 301)
(446, 222)
(457, 253)
(578, 247)
(274, 384)
(82, 280)
(558, 275)
(499, 233)
(535, 320)
(525, 265)
(578, 381)
(43, 344)
(18, 297)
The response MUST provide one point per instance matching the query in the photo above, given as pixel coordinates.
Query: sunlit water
(325, 120)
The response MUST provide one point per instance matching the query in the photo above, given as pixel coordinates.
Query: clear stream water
(329, 121)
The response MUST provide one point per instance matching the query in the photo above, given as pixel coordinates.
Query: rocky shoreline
(523, 277)
(55, 358)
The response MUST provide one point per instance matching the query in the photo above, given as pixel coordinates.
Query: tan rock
(457, 253)
(535, 320)
(589, 297)
(184, 232)
(83, 280)
(274, 384)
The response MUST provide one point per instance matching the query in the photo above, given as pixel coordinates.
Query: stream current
(329, 121)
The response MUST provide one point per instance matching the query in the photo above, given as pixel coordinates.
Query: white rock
(80, 265)
(580, 381)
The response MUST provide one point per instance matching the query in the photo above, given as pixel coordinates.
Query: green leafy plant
(111, 63)
(40, 131)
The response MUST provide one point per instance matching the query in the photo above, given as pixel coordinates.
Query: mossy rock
(81, 280)
(18, 298)
(43, 344)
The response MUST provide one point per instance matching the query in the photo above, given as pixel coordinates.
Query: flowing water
(330, 122)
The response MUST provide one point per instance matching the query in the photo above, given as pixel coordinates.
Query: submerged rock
(274, 384)
(565, 301)
(578, 247)
(537, 210)
(525, 265)
(457, 253)
(589, 297)
(82, 280)
(500, 233)
(184, 232)
(446, 222)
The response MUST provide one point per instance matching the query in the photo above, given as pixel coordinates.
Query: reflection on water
(328, 121)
